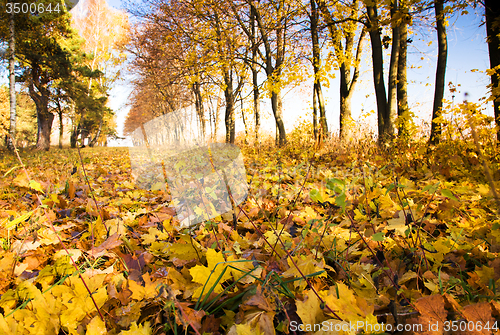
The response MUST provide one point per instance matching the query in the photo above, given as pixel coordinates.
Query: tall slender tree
(344, 28)
(402, 82)
(440, 71)
(392, 107)
(374, 30)
(104, 30)
(318, 100)
(273, 19)
(492, 13)
(12, 81)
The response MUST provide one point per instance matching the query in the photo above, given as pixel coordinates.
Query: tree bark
(198, 99)
(315, 113)
(318, 93)
(378, 69)
(402, 86)
(322, 112)
(255, 72)
(41, 99)
(76, 131)
(345, 60)
(492, 13)
(45, 120)
(392, 108)
(61, 129)
(73, 138)
(96, 137)
(12, 83)
(256, 103)
(244, 121)
(273, 72)
(277, 106)
(229, 117)
(440, 72)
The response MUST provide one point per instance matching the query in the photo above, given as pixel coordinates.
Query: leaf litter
(339, 239)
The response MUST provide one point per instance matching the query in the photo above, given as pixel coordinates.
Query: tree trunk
(440, 72)
(256, 102)
(216, 116)
(345, 111)
(320, 103)
(392, 107)
(492, 13)
(315, 114)
(45, 120)
(345, 60)
(255, 72)
(12, 83)
(322, 113)
(402, 87)
(244, 121)
(273, 72)
(41, 99)
(199, 107)
(229, 118)
(378, 70)
(61, 129)
(96, 137)
(73, 137)
(277, 107)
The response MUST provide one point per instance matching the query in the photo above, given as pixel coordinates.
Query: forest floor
(335, 240)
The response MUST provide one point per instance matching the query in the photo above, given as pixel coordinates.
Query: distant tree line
(199, 51)
(65, 64)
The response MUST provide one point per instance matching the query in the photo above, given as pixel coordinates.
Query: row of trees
(191, 50)
(66, 64)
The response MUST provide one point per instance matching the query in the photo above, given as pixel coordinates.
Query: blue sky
(467, 52)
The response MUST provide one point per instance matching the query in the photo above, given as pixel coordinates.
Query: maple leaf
(307, 265)
(148, 291)
(309, 309)
(478, 313)
(210, 276)
(255, 322)
(432, 311)
(144, 329)
(111, 242)
(348, 306)
(96, 327)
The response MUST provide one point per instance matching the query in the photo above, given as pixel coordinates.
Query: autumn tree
(160, 45)
(392, 104)
(440, 70)
(246, 16)
(274, 18)
(318, 100)
(402, 81)
(203, 49)
(160, 81)
(104, 31)
(374, 29)
(43, 59)
(347, 36)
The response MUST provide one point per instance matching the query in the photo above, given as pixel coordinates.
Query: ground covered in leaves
(329, 241)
